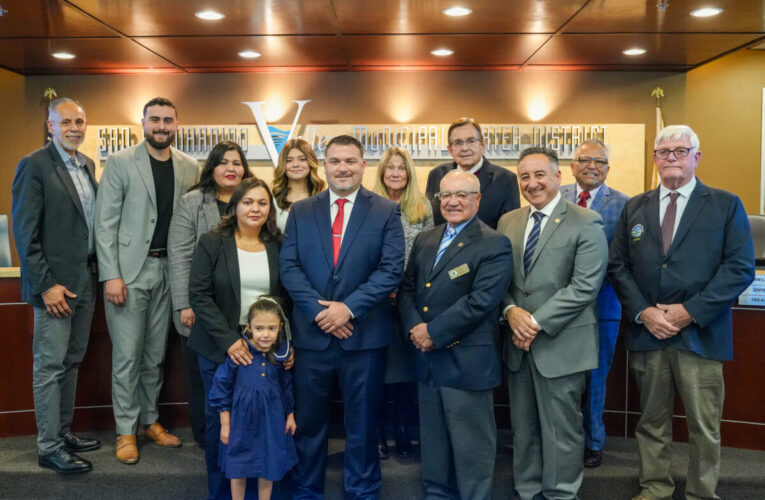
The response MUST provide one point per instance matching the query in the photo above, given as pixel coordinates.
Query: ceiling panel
(413, 16)
(621, 16)
(45, 18)
(32, 55)
(176, 17)
(674, 49)
(414, 50)
(211, 52)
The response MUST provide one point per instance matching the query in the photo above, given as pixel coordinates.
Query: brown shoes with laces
(126, 450)
(159, 435)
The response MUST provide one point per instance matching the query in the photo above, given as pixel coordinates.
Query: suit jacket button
(148, 241)
(664, 266)
(152, 221)
(427, 285)
(335, 277)
(526, 294)
(425, 309)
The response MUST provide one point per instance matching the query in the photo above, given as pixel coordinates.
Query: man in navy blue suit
(342, 256)
(457, 275)
(680, 256)
(590, 169)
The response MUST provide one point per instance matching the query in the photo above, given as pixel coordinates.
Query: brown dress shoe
(159, 435)
(126, 450)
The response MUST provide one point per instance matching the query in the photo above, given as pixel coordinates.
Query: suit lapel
(651, 211)
(66, 178)
(143, 166)
(431, 248)
(460, 242)
(324, 224)
(557, 216)
(696, 202)
(272, 252)
(232, 265)
(569, 192)
(601, 199)
(210, 210)
(359, 210)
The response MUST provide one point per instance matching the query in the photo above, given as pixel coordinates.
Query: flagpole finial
(50, 94)
(658, 94)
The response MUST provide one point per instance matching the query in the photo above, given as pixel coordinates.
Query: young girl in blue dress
(256, 405)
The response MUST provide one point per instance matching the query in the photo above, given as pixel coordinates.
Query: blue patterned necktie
(449, 235)
(531, 242)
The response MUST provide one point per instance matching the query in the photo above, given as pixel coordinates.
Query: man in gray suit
(54, 193)
(140, 187)
(560, 255)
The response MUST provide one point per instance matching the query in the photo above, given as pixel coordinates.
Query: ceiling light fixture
(706, 12)
(634, 52)
(457, 11)
(442, 52)
(63, 55)
(249, 54)
(209, 15)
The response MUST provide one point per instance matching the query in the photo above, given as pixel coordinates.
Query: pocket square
(459, 271)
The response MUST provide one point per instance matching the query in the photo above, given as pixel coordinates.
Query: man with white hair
(680, 255)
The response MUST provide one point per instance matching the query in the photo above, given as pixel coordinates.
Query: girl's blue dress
(259, 397)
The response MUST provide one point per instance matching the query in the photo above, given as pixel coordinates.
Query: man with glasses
(449, 302)
(680, 255)
(560, 256)
(499, 186)
(590, 169)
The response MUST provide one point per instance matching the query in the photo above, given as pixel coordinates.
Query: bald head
(460, 196)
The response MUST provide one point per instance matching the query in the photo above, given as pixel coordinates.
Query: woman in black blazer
(239, 258)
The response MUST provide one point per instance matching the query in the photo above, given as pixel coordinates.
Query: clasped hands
(665, 320)
(524, 328)
(420, 337)
(335, 319)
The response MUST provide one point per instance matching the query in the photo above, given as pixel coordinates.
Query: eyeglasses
(470, 142)
(586, 160)
(460, 195)
(680, 153)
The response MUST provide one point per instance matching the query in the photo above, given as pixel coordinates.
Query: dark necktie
(583, 197)
(531, 242)
(668, 224)
(337, 229)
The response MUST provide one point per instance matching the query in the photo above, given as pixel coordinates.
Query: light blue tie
(531, 242)
(449, 235)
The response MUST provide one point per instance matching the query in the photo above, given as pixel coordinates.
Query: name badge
(459, 271)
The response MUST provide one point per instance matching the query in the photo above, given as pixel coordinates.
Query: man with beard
(139, 189)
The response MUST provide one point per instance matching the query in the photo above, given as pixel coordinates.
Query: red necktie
(337, 229)
(668, 224)
(583, 197)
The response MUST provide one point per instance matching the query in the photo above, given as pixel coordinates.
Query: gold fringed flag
(658, 94)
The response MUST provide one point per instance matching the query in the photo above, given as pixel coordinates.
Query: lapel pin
(557, 220)
(460, 244)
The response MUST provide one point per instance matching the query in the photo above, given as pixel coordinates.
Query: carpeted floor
(180, 473)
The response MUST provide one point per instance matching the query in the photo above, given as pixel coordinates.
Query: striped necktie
(449, 235)
(531, 242)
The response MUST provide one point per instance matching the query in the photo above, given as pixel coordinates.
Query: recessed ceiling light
(634, 52)
(442, 52)
(209, 15)
(249, 54)
(457, 11)
(63, 55)
(706, 12)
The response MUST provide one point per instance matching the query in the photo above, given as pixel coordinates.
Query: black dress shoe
(64, 462)
(73, 442)
(592, 458)
(403, 443)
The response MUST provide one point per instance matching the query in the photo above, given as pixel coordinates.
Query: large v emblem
(265, 130)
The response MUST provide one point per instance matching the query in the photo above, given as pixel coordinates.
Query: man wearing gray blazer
(560, 255)
(53, 196)
(140, 187)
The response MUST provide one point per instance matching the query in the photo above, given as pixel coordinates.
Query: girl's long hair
(281, 183)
